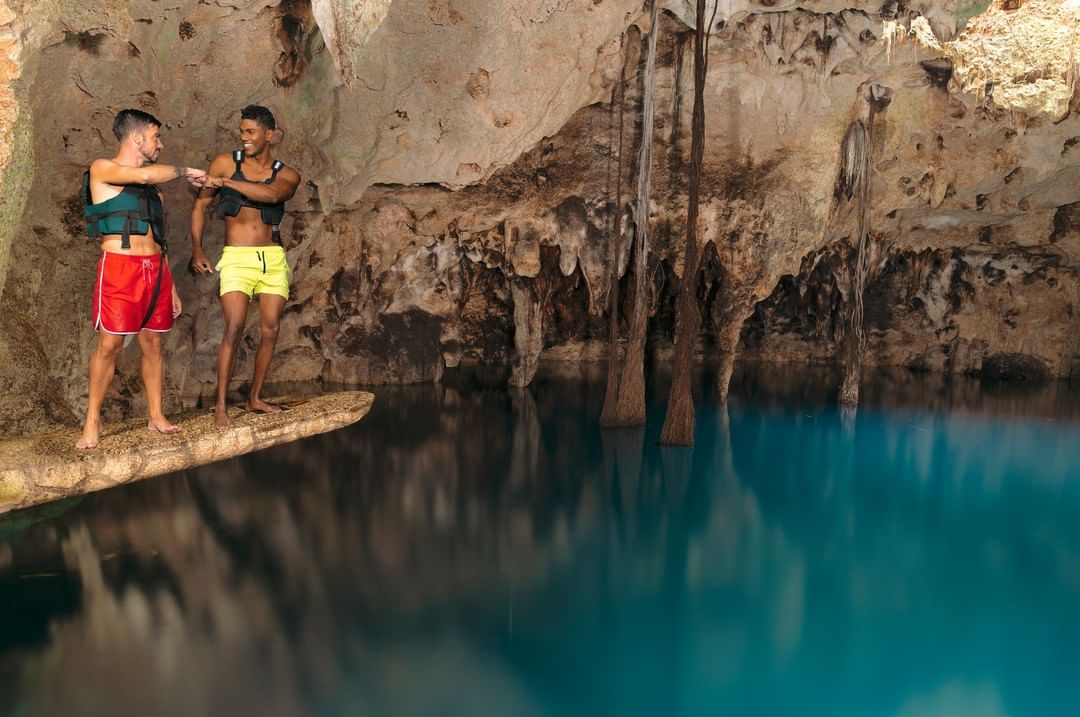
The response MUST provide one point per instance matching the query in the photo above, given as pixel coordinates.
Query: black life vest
(231, 200)
(137, 209)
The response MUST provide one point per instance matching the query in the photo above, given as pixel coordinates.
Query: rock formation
(457, 201)
(47, 467)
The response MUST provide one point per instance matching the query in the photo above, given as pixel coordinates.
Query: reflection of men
(253, 188)
(134, 292)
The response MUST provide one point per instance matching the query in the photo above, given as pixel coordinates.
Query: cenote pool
(467, 550)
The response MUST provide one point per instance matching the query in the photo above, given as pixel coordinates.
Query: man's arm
(177, 305)
(218, 168)
(109, 172)
(280, 190)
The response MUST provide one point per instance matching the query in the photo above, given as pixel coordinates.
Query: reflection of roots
(849, 390)
(848, 412)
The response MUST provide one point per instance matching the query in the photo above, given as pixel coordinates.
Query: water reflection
(468, 550)
(783, 385)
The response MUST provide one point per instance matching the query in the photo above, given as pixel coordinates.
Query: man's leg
(234, 305)
(270, 306)
(102, 368)
(153, 376)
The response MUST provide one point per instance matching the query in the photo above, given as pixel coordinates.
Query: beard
(150, 155)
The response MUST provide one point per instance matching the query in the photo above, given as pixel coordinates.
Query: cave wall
(401, 94)
(459, 172)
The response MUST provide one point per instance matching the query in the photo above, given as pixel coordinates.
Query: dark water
(469, 551)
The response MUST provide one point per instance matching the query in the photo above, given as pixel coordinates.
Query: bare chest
(254, 173)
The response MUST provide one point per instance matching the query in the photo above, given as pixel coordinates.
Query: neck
(129, 156)
(263, 158)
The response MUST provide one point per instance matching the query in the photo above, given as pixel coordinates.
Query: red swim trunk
(124, 289)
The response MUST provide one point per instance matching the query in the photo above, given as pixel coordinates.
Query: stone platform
(47, 467)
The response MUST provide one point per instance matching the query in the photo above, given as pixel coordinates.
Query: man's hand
(177, 305)
(201, 264)
(195, 177)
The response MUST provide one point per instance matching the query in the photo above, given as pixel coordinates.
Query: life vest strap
(230, 201)
(146, 200)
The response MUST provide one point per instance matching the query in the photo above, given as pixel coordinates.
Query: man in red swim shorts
(134, 292)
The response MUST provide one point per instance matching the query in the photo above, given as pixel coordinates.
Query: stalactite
(852, 161)
(611, 393)
(878, 97)
(727, 339)
(528, 333)
(630, 409)
(1071, 75)
(679, 423)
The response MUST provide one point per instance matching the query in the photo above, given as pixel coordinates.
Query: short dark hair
(128, 121)
(260, 114)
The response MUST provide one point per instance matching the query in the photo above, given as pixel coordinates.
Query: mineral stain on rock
(86, 41)
(294, 24)
(1014, 367)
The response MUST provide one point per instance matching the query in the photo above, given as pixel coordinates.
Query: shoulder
(106, 171)
(290, 174)
(99, 165)
(222, 162)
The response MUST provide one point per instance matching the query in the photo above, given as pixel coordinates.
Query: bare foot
(90, 435)
(162, 425)
(221, 418)
(258, 405)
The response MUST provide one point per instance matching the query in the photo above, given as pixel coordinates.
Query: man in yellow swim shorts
(253, 187)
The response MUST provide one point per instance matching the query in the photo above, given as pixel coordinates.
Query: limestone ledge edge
(40, 469)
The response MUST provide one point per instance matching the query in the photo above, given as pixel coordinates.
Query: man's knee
(232, 332)
(109, 345)
(269, 330)
(150, 343)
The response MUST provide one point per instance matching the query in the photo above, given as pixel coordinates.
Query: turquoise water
(466, 550)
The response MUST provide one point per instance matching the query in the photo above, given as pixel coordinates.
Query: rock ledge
(46, 467)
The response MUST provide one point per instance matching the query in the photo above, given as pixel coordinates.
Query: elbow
(274, 196)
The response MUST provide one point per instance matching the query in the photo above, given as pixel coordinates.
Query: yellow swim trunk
(254, 270)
